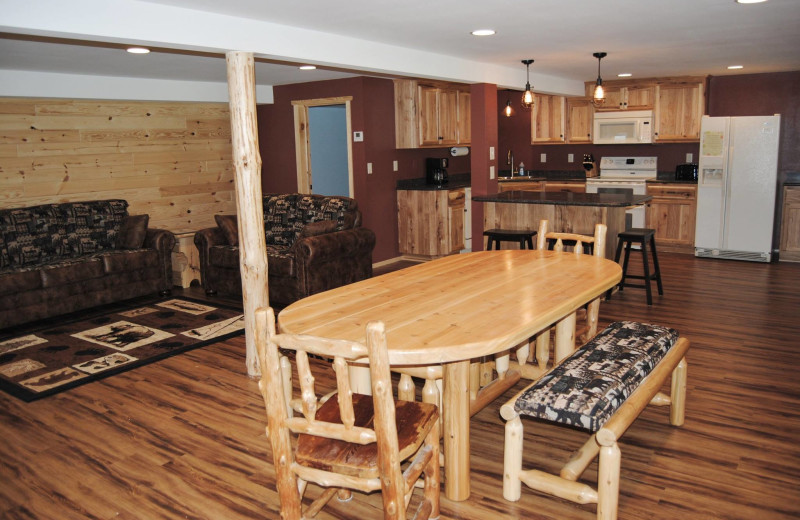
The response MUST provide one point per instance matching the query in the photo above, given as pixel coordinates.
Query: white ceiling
(646, 38)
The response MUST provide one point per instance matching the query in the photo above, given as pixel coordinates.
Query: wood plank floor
(184, 438)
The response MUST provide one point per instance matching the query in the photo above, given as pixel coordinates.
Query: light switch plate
(689, 157)
(394, 166)
(358, 137)
(491, 153)
(491, 172)
(369, 168)
(570, 157)
(543, 157)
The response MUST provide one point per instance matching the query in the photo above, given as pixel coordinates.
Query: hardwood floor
(184, 437)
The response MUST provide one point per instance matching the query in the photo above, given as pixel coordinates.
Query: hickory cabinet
(559, 120)
(430, 222)
(429, 115)
(790, 224)
(672, 213)
(520, 186)
(632, 97)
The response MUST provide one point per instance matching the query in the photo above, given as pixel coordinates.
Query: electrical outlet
(369, 168)
(570, 157)
(689, 157)
(543, 157)
(491, 172)
(394, 166)
(358, 137)
(491, 153)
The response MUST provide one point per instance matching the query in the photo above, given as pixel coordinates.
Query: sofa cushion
(93, 226)
(71, 270)
(321, 227)
(229, 227)
(31, 236)
(224, 256)
(133, 232)
(286, 215)
(20, 280)
(124, 260)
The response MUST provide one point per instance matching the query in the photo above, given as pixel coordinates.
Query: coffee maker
(436, 171)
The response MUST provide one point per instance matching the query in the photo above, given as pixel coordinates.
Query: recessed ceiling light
(138, 50)
(307, 67)
(732, 67)
(750, 1)
(483, 32)
(624, 75)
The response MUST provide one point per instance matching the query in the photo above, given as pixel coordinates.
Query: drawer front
(672, 191)
(792, 195)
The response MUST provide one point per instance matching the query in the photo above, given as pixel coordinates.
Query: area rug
(59, 357)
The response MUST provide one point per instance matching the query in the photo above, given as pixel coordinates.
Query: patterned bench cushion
(587, 388)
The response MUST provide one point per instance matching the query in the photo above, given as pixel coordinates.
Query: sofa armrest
(319, 249)
(205, 239)
(162, 241)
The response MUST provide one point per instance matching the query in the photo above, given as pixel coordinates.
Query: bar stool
(523, 236)
(639, 236)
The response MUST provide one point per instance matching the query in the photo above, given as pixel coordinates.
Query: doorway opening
(324, 152)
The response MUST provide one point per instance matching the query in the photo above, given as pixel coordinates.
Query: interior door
(327, 127)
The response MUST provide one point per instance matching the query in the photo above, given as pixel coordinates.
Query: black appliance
(436, 171)
(686, 172)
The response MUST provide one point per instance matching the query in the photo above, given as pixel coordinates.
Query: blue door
(327, 131)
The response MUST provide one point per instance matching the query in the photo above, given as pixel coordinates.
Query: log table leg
(456, 430)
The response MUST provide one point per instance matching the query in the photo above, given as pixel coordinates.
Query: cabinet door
(464, 118)
(547, 120)
(790, 224)
(680, 108)
(672, 213)
(640, 98)
(580, 114)
(455, 221)
(428, 115)
(448, 117)
(615, 98)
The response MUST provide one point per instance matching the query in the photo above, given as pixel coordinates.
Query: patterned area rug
(57, 358)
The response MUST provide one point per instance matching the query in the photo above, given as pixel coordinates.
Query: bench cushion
(586, 389)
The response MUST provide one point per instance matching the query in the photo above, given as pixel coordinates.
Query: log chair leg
(501, 364)
(286, 376)
(678, 394)
(474, 379)
(543, 349)
(523, 349)
(565, 338)
(433, 472)
(608, 482)
(512, 460)
(405, 388)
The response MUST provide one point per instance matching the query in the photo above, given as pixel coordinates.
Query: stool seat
(643, 237)
(522, 236)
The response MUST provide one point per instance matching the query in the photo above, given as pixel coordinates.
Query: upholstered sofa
(60, 258)
(314, 243)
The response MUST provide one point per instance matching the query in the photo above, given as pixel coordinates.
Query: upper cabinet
(678, 112)
(429, 115)
(547, 119)
(580, 116)
(677, 103)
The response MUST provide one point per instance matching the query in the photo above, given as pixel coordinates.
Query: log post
(249, 209)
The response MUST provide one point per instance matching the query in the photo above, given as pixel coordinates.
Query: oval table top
(458, 307)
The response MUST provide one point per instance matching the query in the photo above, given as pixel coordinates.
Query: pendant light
(599, 97)
(508, 111)
(527, 96)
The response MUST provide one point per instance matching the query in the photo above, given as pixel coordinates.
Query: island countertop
(559, 198)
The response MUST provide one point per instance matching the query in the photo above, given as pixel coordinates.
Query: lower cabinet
(430, 222)
(672, 213)
(520, 186)
(570, 187)
(790, 224)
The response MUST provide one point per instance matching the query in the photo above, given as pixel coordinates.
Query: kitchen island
(567, 212)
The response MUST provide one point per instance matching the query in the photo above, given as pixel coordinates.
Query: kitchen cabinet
(580, 116)
(431, 115)
(569, 187)
(547, 119)
(631, 97)
(430, 222)
(520, 186)
(672, 213)
(679, 109)
(790, 224)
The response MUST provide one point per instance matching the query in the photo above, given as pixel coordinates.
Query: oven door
(634, 217)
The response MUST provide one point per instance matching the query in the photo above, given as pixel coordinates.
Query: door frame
(302, 145)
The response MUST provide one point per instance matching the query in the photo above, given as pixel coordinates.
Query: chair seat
(414, 421)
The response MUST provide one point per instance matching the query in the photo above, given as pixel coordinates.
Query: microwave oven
(625, 127)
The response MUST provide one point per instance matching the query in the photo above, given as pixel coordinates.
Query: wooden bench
(602, 387)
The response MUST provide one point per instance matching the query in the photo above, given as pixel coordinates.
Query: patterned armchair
(314, 243)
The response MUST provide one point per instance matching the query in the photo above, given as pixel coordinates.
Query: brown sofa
(60, 258)
(314, 243)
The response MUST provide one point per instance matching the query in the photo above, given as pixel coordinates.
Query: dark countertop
(560, 198)
(460, 180)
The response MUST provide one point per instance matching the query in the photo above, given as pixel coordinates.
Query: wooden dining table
(454, 309)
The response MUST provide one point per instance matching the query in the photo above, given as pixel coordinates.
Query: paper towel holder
(459, 151)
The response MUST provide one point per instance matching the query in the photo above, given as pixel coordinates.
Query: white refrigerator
(736, 183)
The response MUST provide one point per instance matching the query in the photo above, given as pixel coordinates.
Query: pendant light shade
(527, 96)
(599, 96)
(508, 111)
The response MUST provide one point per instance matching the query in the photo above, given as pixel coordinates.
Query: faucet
(510, 160)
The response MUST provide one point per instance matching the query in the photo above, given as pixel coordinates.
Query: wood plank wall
(170, 160)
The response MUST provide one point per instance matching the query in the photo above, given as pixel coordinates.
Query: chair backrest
(281, 423)
(597, 241)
